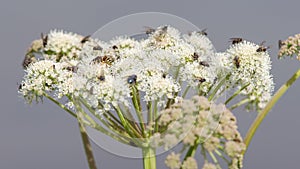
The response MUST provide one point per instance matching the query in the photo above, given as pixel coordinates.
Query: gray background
(44, 137)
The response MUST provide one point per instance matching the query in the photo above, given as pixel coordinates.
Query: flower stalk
(86, 144)
(85, 139)
(261, 116)
(149, 158)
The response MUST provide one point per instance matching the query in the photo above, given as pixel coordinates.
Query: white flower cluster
(47, 76)
(249, 65)
(62, 46)
(53, 71)
(200, 122)
(156, 68)
(125, 76)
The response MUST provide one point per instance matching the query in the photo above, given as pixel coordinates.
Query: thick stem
(87, 145)
(85, 138)
(149, 158)
(260, 117)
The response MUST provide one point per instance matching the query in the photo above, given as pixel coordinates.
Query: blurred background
(44, 137)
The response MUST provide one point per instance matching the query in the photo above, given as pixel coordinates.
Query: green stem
(203, 152)
(239, 104)
(85, 138)
(86, 144)
(192, 150)
(186, 91)
(155, 116)
(150, 112)
(221, 155)
(128, 128)
(268, 107)
(149, 158)
(236, 93)
(216, 89)
(60, 105)
(138, 108)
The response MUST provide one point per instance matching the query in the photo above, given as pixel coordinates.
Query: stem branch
(268, 107)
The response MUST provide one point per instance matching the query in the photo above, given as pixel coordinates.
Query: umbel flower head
(62, 46)
(135, 90)
(249, 69)
(211, 125)
(50, 63)
(157, 69)
(290, 47)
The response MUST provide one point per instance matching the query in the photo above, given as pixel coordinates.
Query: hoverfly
(85, 39)
(280, 43)
(72, 69)
(161, 34)
(97, 47)
(114, 47)
(262, 48)
(201, 80)
(195, 56)
(101, 76)
(236, 61)
(29, 58)
(201, 32)
(204, 63)
(235, 40)
(149, 30)
(44, 39)
(103, 59)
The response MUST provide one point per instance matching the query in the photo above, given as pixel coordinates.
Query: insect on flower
(132, 79)
(97, 47)
(164, 75)
(280, 43)
(72, 69)
(101, 76)
(262, 48)
(236, 61)
(85, 39)
(204, 63)
(195, 56)
(114, 47)
(103, 59)
(235, 40)
(148, 30)
(20, 86)
(201, 80)
(29, 58)
(44, 39)
(203, 32)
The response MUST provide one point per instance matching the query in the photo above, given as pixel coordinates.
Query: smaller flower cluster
(290, 47)
(199, 121)
(62, 46)
(46, 76)
(249, 67)
(52, 69)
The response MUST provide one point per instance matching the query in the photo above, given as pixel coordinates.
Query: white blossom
(249, 67)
